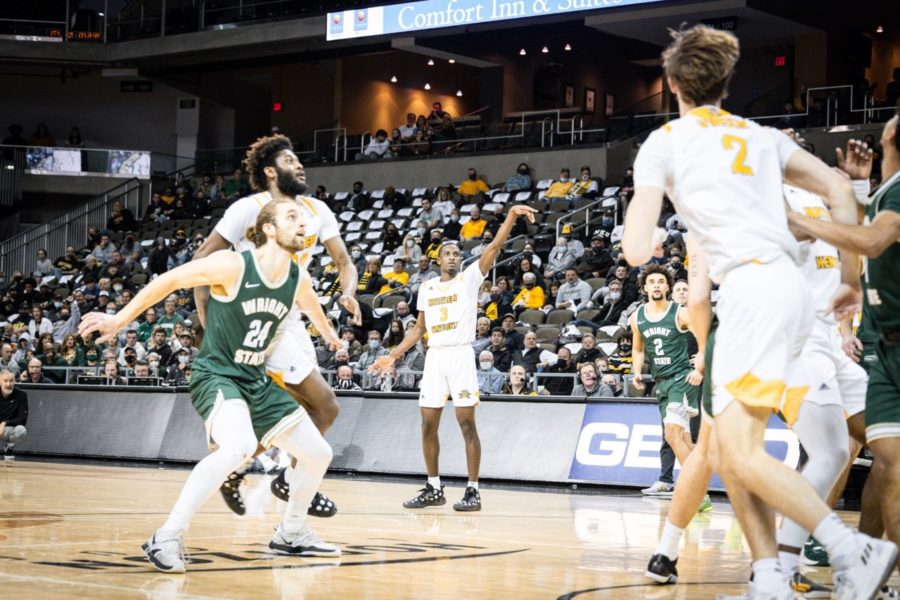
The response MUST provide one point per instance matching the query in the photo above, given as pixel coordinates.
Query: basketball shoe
(807, 588)
(165, 551)
(304, 543)
(866, 570)
(231, 493)
(660, 488)
(320, 506)
(428, 496)
(471, 501)
(661, 569)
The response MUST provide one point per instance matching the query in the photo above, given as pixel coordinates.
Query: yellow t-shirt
(559, 189)
(534, 298)
(472, 228)
(470, 188)
(402, 277)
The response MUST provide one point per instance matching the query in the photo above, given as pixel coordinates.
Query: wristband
(861, 188)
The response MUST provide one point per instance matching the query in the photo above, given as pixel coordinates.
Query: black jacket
(14, 408)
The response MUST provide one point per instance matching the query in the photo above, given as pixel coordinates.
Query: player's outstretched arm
(308, 301)
(640, 237)
(213, 243)
(220, 270)
(637, 353)
(489, 254)
(413, 336)
(347, 275)
(699, 305)
(869, 240)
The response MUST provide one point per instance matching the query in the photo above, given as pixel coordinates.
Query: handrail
(545, 130)
(585, 210)
(580, 119)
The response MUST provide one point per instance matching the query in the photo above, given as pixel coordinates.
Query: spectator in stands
(474, 227)
(513, 339)
(436, 118)
(490, 379)
(611, 309)
(170, 318)
(371, 280)
(397, 146)
(444, 203)
(394, 334)
(161, 258)
(420, 144)
(521, 181)
(112, 373)
(434, 245)
(589, 351)
(69, 263)
(236, 187)
(159, 346)
(42, 137)
(132, 252)
(154, 362)
(453, 229)
(499, 304)
(115, 267)
(613, 383)
(498, 348)
(121, 218)
(423, 274)
(142, 369)
(526, 265)
(131, 341)
(585, 187)
(620, 359)
(148, 326)
(409, 251)
(180, 361)
(596, 262)
(560, 386)
(472, 185)
(408, 130)
(403, 314)
(359, 200)
(430, 215)
(589, 384)
(43, 264)
(34, 373)
(343, 379)
(379, 147)
(562, 186)
(391, 240)
(560, 259)
(367, 358)
(52, 361)
(447, 130)
(680, 292)
(396, 280)
(15, 137)
(533, 357)
(354, 348)
(601, 363)
(531, 296)
(574, 294)
(6, 359)
(103, 251)
(67, 320)
(482, 335)
(71, 351)
(518, 382)
(39, 324)
(13, 413)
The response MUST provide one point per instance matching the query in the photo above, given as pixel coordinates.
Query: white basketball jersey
(321, 225)
(821, 266)
(724, 176)
(451, 307)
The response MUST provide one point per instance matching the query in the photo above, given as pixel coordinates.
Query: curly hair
(261, 154)
(654, 270)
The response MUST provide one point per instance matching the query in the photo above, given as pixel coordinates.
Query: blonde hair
(700, 61)
(256, 234)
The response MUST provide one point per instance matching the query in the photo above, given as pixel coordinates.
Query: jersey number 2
(657, 347)
(256, 336)
(738, 166)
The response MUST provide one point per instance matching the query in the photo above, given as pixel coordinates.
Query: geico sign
(614, 444)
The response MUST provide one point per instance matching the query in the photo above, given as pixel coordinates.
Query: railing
(98, 162)
(20, 252)
(576, 225)
(69, 375)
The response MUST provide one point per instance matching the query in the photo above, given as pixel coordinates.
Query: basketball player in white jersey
(448, 310)
(724, 175)
(277, 174)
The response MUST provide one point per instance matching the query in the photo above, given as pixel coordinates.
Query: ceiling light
(452, 61)
(427, 86)
(393, 79)
(545, 49)
(879, 29)
(459, 93)
(568, 47)
(430, 62)
(522, 52)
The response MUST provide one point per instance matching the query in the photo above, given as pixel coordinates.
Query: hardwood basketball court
(74, 531)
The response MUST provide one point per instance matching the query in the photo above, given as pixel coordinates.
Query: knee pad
(677, 414)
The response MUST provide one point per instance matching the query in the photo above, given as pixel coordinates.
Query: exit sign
(780, 61)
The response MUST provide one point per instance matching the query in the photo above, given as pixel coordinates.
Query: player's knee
(18, 434)
(468, 428)
(239, 449)
(429, 428)
(330, 408)
(673, 434)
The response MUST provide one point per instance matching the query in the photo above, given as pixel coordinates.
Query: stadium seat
(548, 347)
(610, 191)
(532, 317)
(376, 225)
(543, 184)
(139, 279)
(368, 299)
(388, 301)
(559, 205)
(341, 196)
(419, 192)
(523, 329)
(523, 196)
(355, 226)
(587, 314)
(365, 215)
(614, 331)
(560, 317)
(347, 216)
(385, 213)
(377, 195)
(596, 282)
(352, 237)
(500, 198)
(405, 212)
(548, 335)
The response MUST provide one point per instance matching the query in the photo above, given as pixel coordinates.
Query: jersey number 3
(738, 166)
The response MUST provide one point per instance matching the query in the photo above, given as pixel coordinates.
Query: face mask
(183, 360)
(614, 296)
(625, 348)
(523, 171)
(154, 364)
(118, 288)
(63, 316)
(563, 363)
(472, 176)
(91, 357)
(585, 177)
(345, 384)
(421, 230)
(356, 254)
(130, 360)
(410, 243)
(529, 285)
(110, 311)
(563, 179)
(607, 221)
(495, 297)
(57, 303)
(485, 365)
(454, 218)
(373, 344)
(561, 243)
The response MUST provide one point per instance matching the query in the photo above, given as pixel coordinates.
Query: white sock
(767, 577)
(789, 561)
(472, 484)
(435, 482)
(669, 541)
(837, 538)
(313, 457)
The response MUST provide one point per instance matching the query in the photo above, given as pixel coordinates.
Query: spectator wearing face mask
(596, 260)
(531, 296)
(343, 379)
(358, 258)
(453, 229)
(409, 251)
(589, 384)
(497, 305)
(490, 379)
(612, 308)
(562, 186)
(585, 187)
(560, 259)
(182, 359)
(560, 386)
(367, 358)
(474, 227)
(520, 181)
(518, 382)
(620, 359)
(67, 320)
(472, 185)
(612, 382)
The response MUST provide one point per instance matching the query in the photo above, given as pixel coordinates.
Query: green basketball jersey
(866, 331)
(882, 275)
(665, 346)
(239, 330)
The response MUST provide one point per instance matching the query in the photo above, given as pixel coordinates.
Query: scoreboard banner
(619, 445)
(411, 17)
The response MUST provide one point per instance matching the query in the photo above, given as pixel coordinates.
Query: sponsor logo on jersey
(661, 331)
(465, 394)
(827, 262)
(443, 300)
(444, 327)
(272, 306)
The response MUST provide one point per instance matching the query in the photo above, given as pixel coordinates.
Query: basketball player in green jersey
(251, 294)
(660, 329)
(879, 242)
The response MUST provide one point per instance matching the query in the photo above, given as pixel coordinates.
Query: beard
(289, 185)
(290, 242)
(657, 296)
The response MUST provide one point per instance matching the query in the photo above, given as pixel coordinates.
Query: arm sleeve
(329, 228)
(236, 220)
(652, 165)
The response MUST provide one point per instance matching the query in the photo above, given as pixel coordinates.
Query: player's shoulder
(251, 202)
(316, 206)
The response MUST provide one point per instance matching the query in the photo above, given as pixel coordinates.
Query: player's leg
(665, 484)
(471, 501)
(231, 429)
(433, 393)
(462, 380)
(313, 454)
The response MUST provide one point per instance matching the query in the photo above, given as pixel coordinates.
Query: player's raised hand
(857, 160)
(381, 365)
(846, 302)
(106, 325)
(352, 306)
(521, 210)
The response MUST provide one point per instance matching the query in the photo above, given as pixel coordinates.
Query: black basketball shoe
(661, 569)
(428, 496)
(231, 493)
(471, 501)
(320, 506)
